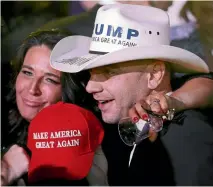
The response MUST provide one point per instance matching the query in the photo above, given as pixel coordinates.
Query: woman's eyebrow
(28, 67)
(48, 73)
(52, 75)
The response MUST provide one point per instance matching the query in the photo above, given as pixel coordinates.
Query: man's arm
(191, 92)
(195, 93)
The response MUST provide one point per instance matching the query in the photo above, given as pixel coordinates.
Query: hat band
(98, 52)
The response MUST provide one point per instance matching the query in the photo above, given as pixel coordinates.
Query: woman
(36, 85)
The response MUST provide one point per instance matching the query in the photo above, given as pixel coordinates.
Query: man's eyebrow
(28, 67)
(53, 75)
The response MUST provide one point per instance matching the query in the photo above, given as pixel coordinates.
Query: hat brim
(78, 58)
(81, 166)
(77, 169)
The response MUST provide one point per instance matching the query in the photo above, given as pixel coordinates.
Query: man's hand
(13, 165)
(158, 104)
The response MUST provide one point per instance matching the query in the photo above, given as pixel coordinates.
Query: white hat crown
(124, 33)
(120, 26)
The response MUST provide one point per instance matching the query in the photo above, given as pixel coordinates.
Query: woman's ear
(156, 73)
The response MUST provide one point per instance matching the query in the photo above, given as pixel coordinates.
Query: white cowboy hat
(124, 33)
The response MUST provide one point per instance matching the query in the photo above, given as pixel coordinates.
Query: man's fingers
(134, 115)
(155, 107)
(141, 111)
(164, 104)
(145, 105)
(158, 104)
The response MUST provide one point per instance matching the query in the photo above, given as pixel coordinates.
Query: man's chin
(110, 119)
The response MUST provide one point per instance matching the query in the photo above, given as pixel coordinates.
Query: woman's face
(37, 85)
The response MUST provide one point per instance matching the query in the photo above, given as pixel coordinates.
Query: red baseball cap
(63, 139)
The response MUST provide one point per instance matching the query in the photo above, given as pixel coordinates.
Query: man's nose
(35, 87)
(94, 87)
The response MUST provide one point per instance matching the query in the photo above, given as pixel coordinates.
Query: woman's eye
(28, 73)
(52, 81)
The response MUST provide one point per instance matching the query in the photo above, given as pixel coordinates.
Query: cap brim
(81, 165)
(181, 60)
(78, 167)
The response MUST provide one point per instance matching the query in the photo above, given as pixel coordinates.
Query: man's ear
(156, 73)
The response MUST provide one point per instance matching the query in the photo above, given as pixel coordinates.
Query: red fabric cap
(63, 139)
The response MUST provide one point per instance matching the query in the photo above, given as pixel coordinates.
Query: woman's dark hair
(73, 90)
(73, 85)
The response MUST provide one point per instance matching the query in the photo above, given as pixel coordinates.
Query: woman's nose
(35, 87)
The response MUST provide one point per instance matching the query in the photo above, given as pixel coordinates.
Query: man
(129, 60)
(83, 25)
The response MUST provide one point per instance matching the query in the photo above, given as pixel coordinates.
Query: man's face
(116, 88)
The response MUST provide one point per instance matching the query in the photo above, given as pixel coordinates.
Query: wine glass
(133, 133)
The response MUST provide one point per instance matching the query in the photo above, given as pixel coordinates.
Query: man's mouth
(102, 104)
